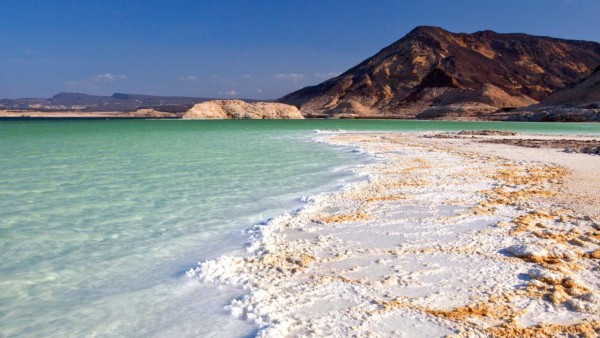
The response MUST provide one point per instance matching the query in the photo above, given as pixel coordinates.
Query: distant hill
(432, 72)
(117, 102)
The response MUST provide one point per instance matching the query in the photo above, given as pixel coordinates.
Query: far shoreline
(84, 116)
(158, 115)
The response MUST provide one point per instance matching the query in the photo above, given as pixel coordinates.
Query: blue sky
(248, 49)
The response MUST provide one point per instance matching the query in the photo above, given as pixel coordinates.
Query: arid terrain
(430, 73)
(433, 73)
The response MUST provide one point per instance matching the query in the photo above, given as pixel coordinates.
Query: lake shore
(448, 236)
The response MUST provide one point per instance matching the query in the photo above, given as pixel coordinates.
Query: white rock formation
(237, 109)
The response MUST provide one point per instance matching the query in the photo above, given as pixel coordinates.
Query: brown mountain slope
(431, 68)
(583, 94)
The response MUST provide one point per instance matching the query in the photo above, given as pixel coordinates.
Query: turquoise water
(420, 125)
(99, 220)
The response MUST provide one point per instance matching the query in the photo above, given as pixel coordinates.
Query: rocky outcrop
(579, 102)
(554, 114)
(237, 109)
(431, 70)
(585, 94)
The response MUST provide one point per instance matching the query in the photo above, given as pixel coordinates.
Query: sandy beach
(447, 235)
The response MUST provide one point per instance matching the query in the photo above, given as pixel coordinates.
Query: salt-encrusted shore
(449, 236)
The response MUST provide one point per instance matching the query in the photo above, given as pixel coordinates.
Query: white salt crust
(408, 235)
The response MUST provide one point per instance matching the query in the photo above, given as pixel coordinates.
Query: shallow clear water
(99, 220)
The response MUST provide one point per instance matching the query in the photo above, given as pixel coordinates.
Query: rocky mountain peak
(421, 31)
(431, 66)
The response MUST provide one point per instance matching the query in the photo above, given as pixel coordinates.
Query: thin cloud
(108, 77)
(258, 90)
(229, 93)
(94, 84)
(188, 78)
(294, 77)
(86, 86)
(246, 76)
(326, 75)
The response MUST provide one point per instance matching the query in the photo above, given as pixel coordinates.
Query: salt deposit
(439, 241)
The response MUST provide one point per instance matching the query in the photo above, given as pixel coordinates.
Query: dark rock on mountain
(431, 72)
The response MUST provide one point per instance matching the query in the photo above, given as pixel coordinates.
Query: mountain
(582, 95)
(431, 72)
(117, 102)
(578, 102)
